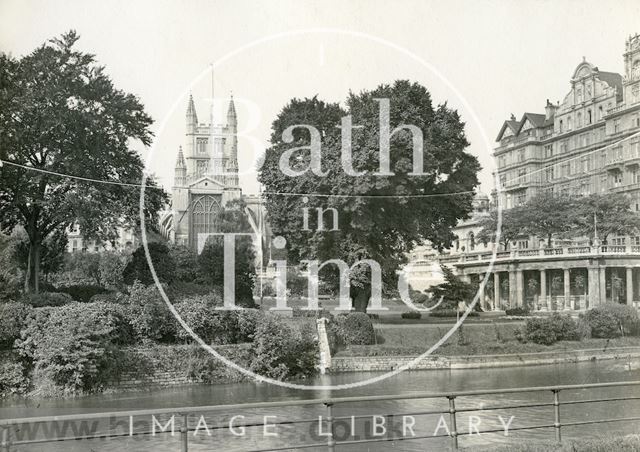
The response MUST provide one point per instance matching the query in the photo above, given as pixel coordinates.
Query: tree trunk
(32, 276)
(360, 297)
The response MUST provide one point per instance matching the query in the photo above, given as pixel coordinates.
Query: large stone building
(588, 143)
(206, 176)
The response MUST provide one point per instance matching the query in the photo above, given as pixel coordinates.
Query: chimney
(549, 110)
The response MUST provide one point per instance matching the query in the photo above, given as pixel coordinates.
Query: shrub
(108, 297)
(354, 328)
(82, 292)
(180, 290)
(138, 268)
(12, 319)
(411, 315)
(627, 317)
(71, 346)
(216, 326)
(603, 323)
(450, 313)
(565, 327)
(12, 378)
(540, 331)
(282, 351)
(148, 314)
(47, 299)
(518, 311)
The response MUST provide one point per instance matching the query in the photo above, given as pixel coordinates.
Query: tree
(609, 214)
(138, 267)
(231, 218)
(546, 215)
(378, 217)
(60, 113)
(512, 226)
(52, 252)
(453, 290)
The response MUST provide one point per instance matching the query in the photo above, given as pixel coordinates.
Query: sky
(485, 58)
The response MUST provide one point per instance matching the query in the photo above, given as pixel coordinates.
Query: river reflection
(410, 381)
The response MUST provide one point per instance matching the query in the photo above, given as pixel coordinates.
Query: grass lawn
(476, 339)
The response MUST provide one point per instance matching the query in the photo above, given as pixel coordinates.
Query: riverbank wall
(389, 363)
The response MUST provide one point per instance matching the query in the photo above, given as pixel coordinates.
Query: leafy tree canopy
(60, 112)
(378, 226)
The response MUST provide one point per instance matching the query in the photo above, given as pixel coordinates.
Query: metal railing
(328, 422)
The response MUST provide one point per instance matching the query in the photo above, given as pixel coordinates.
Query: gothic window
(472, 241)
(201, 145)
(589, 117)
(635, 92)
(204, 216)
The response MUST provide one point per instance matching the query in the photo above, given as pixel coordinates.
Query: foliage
(450, 313)
(548, 330)
(82, 293)
(148, 314)
(186, 263)
(12, 319)
(179, 290)
(50, 98)
(47, 299)
(517, 311)
(377, 228)
(13, 379)
(210, 262)
(111, 268)
(453, 290)
(612, 214)
(627, 317)
(540, 330)
(10, 274)
(511, 227)
(411, 315)
(216, 326)
(72, 345)
(612, 320)
(354, 328)
(138, 267)
(282, 350)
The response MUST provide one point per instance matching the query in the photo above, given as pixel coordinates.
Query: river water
(410, 381)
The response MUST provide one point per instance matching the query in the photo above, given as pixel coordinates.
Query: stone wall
(389, 363)
(173, 365)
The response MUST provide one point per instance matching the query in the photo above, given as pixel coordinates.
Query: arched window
(472, 241)
(204, 216)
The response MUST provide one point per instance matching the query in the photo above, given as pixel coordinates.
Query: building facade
(205, 178)
(588, 143)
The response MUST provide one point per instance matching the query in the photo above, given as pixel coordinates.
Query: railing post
(184, 433)
(331, 444)
(454, 426)
(6, 444)
(556, 408)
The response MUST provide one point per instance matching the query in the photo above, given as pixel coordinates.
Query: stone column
(519, 289)
(496, 291)
(593, 287)
(630, 286)
(602, 285)
(567, 289)
(512, 289)
(543, 290)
